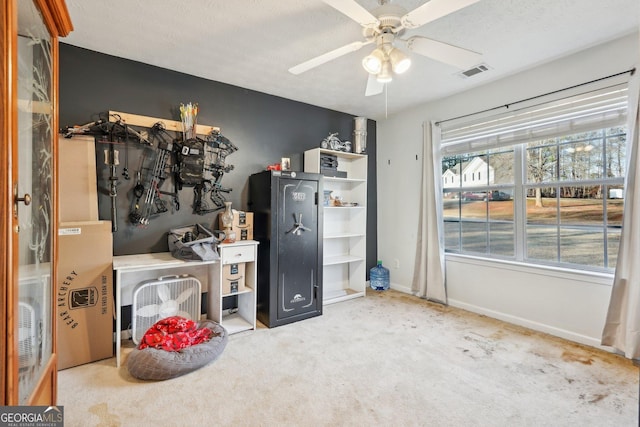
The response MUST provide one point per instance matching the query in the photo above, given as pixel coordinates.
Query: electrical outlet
(396, 263)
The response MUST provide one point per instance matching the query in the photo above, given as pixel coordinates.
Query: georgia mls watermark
(31, 416)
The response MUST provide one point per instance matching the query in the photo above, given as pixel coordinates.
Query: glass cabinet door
(34, 194)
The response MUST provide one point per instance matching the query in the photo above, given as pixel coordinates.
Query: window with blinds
(543, 184)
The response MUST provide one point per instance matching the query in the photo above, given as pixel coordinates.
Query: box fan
(161, 298)
(31, 324)
(29, 334)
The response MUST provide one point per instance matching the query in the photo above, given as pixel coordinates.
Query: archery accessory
(217, 148)
(152, 204)
(111, 159)
(190, 162)
(142, 137)
(138, 190)
(87, 128)
(189, 117)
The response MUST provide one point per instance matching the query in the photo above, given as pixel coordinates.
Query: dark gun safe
(287, 221)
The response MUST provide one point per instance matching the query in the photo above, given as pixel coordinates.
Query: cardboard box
(78, 190)
(84, 293)
(242, 224)
(233, 278)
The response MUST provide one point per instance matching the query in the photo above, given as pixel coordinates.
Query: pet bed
(152, 363)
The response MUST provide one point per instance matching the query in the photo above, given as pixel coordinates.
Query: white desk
(133, 269)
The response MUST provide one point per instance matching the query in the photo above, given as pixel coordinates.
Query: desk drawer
(236, 254)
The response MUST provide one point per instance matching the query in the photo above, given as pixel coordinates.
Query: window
(476, 220)
(547, 183)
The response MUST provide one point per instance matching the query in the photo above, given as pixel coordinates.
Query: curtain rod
(631, 72)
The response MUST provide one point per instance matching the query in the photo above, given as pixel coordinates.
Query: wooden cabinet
(28, 124)
(345, 224)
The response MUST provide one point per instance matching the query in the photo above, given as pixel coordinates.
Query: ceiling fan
(384, 26)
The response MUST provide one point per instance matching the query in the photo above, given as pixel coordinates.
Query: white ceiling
(252, 43)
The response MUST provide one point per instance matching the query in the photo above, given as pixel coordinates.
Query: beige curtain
(622, 327)
(429, 271)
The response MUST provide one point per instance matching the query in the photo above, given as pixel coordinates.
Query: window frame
(520, 187)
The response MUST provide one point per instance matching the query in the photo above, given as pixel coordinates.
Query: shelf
(246, 290)
(344, 207)
(343, 235)
(340, 259)
(342, 154)
(346, 180)
(340, 295)
(234, 323)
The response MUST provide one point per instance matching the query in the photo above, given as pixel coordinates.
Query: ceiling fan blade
(433, 10)
(326, 57)
(443, 52)
(374, 87)
(354, 11)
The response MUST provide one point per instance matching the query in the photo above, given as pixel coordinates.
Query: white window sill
(605, 279)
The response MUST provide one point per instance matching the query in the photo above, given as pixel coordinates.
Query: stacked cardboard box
(84, 293)
(84, 288)
(233, 280)
(242, 224)
(78, 193)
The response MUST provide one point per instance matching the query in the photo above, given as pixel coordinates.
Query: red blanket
(173, 334)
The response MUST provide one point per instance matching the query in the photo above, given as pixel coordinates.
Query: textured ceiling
(252, 43)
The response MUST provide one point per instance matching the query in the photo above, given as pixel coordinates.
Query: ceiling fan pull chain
(386, 101)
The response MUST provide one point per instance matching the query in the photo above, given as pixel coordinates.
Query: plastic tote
(379, 277)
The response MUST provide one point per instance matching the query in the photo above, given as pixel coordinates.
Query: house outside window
(555, 199)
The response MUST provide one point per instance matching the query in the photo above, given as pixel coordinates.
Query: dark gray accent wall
(263, 127)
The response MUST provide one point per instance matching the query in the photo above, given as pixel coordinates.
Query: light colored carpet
(386, 360)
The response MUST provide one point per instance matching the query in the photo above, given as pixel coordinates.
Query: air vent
(475, 70)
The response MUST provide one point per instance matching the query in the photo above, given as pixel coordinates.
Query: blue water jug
(379, 277)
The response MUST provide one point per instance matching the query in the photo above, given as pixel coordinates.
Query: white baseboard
(536, 326)
(401, 288)
(396, 287)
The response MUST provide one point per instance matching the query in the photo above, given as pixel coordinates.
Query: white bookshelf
(344, 227)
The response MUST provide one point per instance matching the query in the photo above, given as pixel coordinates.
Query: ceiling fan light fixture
(400, 62)
(373, 62)
(384, 76)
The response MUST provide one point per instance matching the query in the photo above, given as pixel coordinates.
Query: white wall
(569, 305)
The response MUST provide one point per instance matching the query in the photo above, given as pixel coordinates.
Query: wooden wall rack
(148, 122)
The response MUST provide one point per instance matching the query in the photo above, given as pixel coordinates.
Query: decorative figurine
(332, 142)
